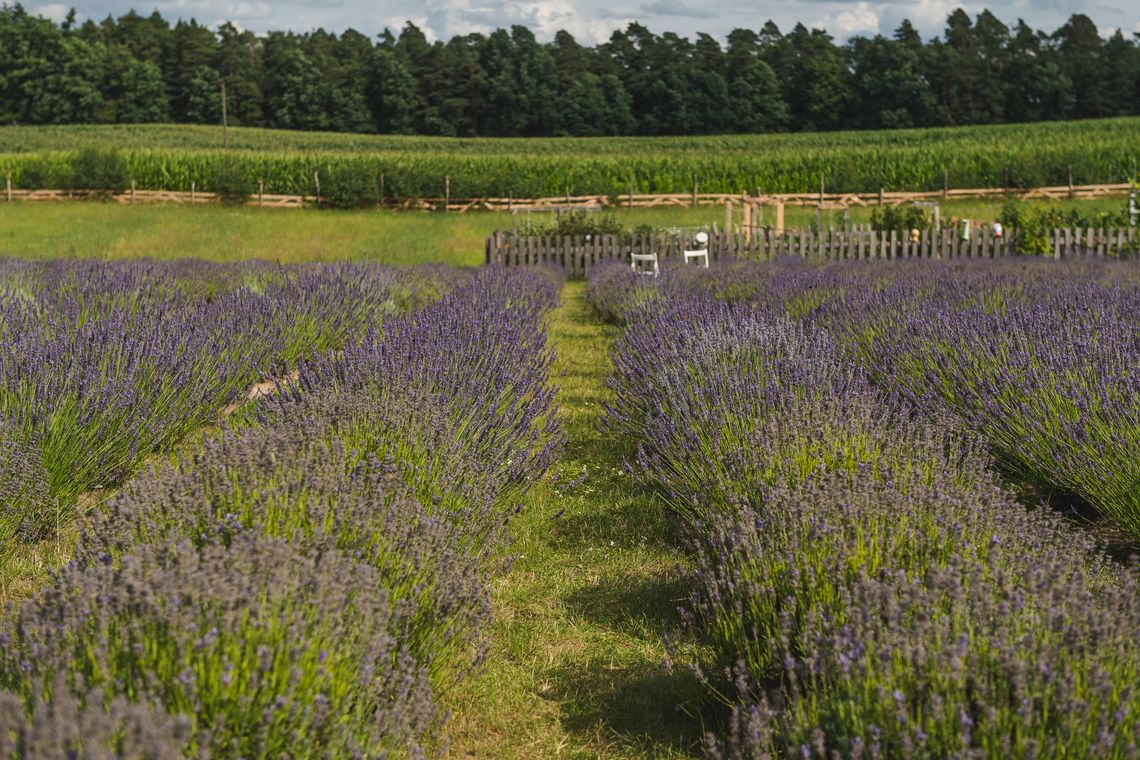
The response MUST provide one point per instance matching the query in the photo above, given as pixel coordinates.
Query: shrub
(262, 661)
(903, 218)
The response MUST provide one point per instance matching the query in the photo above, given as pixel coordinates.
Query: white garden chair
(701, 239)
(647, 259)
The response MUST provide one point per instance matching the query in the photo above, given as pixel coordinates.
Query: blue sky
(592, 20)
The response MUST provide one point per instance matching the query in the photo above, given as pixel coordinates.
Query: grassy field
(107, 230)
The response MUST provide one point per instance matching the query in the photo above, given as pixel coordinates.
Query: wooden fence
(578, 254)
(155, 196)
(592, 202)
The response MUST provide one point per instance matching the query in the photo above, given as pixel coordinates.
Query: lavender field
(764, 510)
(312, 576)
(886, 477)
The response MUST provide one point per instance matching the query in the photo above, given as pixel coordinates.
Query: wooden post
(880, 196)
(694, 189)
(382, 189)
(260, 192)
(945, 182)
(821, 188)
(317, 182)
(630, 204)
(779, 217)
(193, 195)
(8, 186)
(225, 119)
(132, 192)
(446, 192)
(1070, 182)
(746, 220)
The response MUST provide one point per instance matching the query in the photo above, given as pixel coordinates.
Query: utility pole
(225, 120)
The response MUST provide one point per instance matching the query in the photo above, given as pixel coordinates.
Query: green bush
(900, 218)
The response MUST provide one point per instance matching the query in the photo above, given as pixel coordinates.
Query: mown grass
(112, 231)
(577, 667)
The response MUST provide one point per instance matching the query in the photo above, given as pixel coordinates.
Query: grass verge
(110, 231)
(577, 661)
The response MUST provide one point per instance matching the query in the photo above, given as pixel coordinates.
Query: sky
(592, 21)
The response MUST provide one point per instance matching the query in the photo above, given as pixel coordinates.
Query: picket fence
(577, 254)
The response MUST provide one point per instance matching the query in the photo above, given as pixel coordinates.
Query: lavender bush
(457, 393)
(311, 579)
(1053, 384)
(27, 510)
(266, 650)
(297, 483)
(865, 585)
(106, 363)
(60, 724)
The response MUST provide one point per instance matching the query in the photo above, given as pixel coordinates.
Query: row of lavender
(1041, 358)
(866, 584)
(102, 365)
(312, 579)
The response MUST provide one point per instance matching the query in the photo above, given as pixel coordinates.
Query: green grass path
(577, 661)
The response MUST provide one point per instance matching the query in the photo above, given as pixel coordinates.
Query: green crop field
(172, 157)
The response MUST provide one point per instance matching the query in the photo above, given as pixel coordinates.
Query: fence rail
(593, 202)
(578, 254)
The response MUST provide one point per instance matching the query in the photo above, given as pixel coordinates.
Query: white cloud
(57, 12)
(841, 24)
(676, 8)
(593, 21)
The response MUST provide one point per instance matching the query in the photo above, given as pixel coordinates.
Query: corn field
(395, 167)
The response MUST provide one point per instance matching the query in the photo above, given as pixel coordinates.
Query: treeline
(142, 69)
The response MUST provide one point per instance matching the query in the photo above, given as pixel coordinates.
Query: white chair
(645, 258)
(701, 251)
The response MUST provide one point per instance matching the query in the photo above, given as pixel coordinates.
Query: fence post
(132, 192)
(317, 182)
(8, 185)
(446, 192)
(381, 188)
(193, 193)
(260, 192)
(630, 205)
(694, 189)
